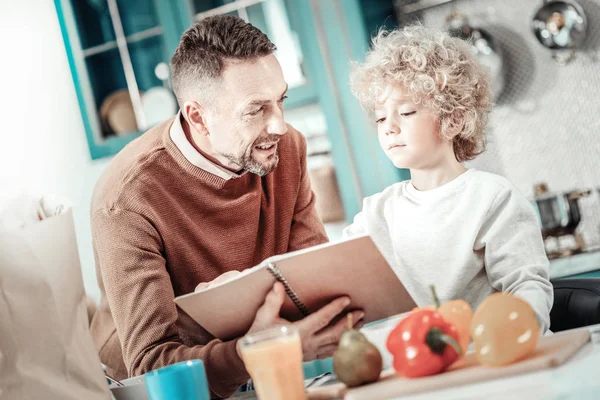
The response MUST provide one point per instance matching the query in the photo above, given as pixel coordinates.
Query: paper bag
(46, 349)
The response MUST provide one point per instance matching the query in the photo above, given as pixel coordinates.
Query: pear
(356, 361)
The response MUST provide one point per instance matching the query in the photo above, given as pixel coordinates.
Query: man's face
(246, 121)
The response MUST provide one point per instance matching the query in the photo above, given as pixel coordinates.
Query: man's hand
(219, 279)
(318, 339)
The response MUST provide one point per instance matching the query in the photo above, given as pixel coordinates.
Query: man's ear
(457, 123)
(195, 115)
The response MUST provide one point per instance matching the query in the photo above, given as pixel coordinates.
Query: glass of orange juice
(273, 359)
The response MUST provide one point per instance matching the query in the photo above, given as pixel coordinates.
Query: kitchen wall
(546, 124)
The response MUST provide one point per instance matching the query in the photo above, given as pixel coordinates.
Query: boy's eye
(408, 113)
(380, 120)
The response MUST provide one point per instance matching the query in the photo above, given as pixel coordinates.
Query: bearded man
(210, 192)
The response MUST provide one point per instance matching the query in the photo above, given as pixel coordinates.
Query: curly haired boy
(468, 232)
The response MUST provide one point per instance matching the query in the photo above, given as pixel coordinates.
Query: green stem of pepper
(436, 300)
(438, 340)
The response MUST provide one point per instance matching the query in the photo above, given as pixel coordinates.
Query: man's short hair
(207, 46)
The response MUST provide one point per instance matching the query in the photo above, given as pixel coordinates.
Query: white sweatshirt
(470, 237)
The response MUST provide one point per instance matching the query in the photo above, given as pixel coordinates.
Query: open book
(312, 278)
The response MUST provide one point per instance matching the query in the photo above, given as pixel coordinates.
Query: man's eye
(282, 99)
(380, 120)
(408, 113)
(257, 111)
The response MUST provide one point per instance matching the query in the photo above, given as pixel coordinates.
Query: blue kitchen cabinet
(113, 48)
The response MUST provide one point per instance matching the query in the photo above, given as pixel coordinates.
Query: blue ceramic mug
(182, 381)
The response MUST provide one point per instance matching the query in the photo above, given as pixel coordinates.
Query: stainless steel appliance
(559, 215)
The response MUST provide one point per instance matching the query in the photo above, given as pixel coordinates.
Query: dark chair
(576, 303)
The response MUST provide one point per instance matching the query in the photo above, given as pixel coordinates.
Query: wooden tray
(551, 351)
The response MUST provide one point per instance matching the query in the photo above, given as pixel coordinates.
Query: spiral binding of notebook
(272, 268)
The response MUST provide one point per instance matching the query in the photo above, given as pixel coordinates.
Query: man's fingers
(225, 277)
(219, 279)
(321, 318)
(331, 335)
(326, 351)
(201, 286)
(269, 311)
(267, 315)
(360, 323)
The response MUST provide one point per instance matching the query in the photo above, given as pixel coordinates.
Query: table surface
(576, 264)
(578, 378)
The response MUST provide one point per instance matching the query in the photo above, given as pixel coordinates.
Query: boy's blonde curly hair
(440, 72)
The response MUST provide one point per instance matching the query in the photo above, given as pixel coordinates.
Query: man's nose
(276, 124)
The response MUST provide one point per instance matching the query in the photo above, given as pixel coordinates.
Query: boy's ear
(457, 119)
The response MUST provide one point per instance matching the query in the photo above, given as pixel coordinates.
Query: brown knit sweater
(161, 225)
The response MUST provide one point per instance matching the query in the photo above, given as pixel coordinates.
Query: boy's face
(408, 132)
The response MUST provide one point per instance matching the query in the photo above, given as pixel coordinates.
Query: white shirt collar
(194, 156)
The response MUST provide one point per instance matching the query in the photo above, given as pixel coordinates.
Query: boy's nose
(391, 125)
(392, 129)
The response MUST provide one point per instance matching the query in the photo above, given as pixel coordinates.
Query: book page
(285, 256)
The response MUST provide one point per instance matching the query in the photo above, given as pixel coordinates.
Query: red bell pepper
(423, 344)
